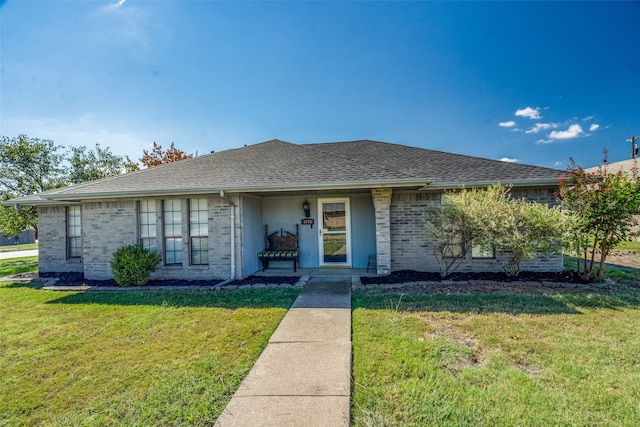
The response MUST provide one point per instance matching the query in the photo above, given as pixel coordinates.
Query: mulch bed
(405, 276)
(77, 279)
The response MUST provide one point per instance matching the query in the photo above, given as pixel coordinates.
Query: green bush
(132, 265)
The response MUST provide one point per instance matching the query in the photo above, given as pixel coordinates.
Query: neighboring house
(207, 215)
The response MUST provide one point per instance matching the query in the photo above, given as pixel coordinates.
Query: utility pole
(634, 147)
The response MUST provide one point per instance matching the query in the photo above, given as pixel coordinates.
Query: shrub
(490, 218)
(602, 206)
(133, 264)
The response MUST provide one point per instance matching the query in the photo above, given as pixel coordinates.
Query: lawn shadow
(31, 284)
(251, 298)
(557, 303)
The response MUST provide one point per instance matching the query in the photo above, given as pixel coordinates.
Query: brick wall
(413, 249)
(106, 226)
(52, 242)
(109, 225)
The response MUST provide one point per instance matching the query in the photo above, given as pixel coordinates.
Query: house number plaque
(307, 221)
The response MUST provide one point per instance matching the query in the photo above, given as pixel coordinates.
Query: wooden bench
(282, 247)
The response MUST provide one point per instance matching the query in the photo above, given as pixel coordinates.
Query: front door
(335, 237)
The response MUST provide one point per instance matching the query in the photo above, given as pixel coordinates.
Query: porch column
(382, 202)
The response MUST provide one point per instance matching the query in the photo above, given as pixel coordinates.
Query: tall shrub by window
(172, 213)
(199, 231)
(147, 222)
(74, 232)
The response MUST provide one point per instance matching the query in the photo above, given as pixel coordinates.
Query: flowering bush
(601, 208)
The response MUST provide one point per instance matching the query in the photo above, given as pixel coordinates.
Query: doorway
(335, 235)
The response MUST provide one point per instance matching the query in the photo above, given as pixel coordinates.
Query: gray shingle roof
(277, 165)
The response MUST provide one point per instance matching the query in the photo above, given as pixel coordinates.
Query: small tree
(133, 264)
(492, 219)
(533, 229)
(454, 226)
(602, 205)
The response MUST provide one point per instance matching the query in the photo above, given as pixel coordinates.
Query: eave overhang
(61, 197)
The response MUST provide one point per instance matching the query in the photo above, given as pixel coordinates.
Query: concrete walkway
(303, 376)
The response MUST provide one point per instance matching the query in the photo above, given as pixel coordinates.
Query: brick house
(207, 215)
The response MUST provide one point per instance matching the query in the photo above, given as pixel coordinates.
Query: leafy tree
(88, 165)
(531, 228)
(27, 166)
(454, 226)
(601, 205)
(31, 165)
(157, 157)
(491, 218)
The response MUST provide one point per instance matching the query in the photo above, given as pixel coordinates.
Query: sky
(528, 82)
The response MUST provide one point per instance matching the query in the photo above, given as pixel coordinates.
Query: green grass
(128, 358)
(496, 360)
(9, 267)
(616, 273)
(25, 247)
(629, 246)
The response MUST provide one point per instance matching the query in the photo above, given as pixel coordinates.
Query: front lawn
(128, 358)
(496, 360)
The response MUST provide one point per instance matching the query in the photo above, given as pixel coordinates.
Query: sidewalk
(303, 376)
(18, 254)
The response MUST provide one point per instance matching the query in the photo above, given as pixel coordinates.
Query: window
(452, 248)
(478, 251)
(172, 215)
(74, 232)
(147, 220)
(199, 231)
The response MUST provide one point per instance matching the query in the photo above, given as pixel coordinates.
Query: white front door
(335, 236)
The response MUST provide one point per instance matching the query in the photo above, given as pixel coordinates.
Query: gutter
(232, 274)
(400, 183)
(544, 182)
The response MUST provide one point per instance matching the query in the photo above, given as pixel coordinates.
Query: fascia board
(545, 182)
(247, 189)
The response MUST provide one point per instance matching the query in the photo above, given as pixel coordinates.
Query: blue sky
(532, 82)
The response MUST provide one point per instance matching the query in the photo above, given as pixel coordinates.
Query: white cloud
(532, 113)
(508, 124)
(574, 131)
(586, 119)
(541, 126)
(593, 127)
(558, 164)
(508, 160)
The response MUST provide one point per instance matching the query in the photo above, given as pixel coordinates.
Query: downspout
(232, 275)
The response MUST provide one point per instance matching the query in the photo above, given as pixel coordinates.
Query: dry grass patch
(496, 360)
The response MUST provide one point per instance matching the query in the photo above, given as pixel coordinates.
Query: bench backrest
(284, 241)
